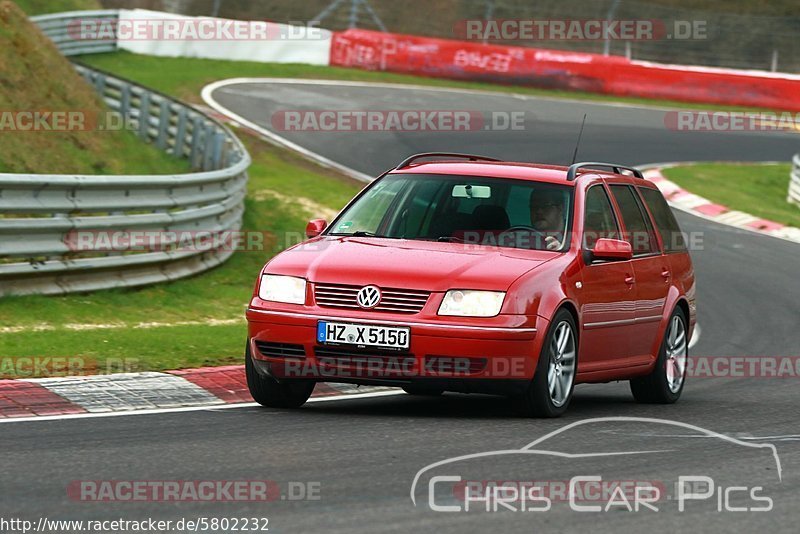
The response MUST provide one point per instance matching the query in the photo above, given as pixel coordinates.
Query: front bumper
(469, 355)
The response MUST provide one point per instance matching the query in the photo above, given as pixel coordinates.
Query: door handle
(666, 274)
(629, 280)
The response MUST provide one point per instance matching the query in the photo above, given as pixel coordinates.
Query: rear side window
(666, 223)
(598, 221)
(639, 232)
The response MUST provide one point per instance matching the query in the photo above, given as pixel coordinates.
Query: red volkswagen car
(470, 274)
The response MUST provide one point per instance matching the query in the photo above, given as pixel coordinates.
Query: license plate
(387, 337)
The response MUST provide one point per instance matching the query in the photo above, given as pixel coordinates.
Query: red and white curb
(684, 200)
(134, 392)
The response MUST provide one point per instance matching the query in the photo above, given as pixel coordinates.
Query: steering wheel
(541, 235)
(525, 228)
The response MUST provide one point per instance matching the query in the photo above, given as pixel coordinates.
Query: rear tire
(664, 384)
(422, 392)
(269, 392)
(550, 391)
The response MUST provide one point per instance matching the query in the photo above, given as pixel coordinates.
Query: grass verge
(759, 190)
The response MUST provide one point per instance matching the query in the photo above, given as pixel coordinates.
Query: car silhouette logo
(368, 297)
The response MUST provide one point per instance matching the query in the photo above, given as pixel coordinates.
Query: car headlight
(472, 303)
(288, 289)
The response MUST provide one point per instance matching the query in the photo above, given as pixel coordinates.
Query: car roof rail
(572, 173)
(471, 157)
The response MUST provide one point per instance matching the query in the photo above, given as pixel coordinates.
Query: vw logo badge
(368, 297)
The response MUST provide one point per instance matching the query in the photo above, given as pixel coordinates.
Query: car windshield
(462, 209)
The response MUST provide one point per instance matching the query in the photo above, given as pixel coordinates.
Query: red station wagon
(470, 274)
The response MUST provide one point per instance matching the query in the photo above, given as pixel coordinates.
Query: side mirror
(612, 250)
(315, 227)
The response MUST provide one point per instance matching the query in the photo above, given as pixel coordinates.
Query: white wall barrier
(214, 38)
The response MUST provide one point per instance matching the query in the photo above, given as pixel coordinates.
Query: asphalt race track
(366, 453)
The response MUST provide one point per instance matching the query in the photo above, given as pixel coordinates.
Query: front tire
(550, 391)
(269, 392)
(664, 384)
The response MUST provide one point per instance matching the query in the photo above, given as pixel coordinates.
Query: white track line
(456, 90)
(206, 408)
(208, 97)
(111, 326)
(273, 137)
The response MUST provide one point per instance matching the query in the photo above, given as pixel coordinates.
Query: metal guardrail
(64, 30)
(41, 216)
(794, 181)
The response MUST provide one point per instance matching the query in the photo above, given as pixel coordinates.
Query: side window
(667, 226)
(598, 221)
(639, 232)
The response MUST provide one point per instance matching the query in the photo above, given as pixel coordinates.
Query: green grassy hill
(35, 77)
(40, 7)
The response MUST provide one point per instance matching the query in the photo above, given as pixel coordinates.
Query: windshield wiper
(362, 233)
(449, 239)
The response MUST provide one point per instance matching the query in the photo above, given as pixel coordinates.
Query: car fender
(544, 290)
(674, 297)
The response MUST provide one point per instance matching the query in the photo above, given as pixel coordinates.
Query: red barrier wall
(554, 69)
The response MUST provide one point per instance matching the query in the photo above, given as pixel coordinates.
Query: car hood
(409, 264)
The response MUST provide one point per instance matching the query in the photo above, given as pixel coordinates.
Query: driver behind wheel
(547, 216)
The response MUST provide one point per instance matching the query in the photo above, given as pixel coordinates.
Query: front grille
(280, 350)
(366, 360)
(392, 300)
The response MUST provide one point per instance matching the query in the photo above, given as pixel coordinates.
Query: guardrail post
(609, 17)
(164, 116)
(125, 100)
(216, 155)
(197, 133)
(180, 134)
(208, 149)
(144, 115)
(100, 84)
